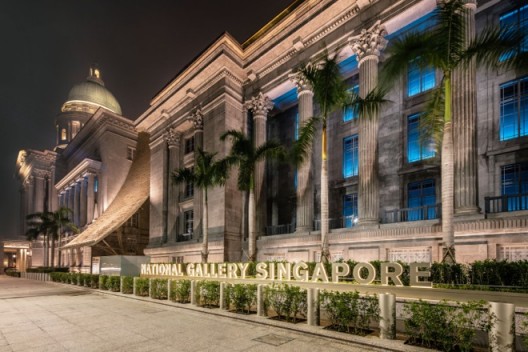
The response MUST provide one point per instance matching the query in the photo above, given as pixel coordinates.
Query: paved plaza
(37, 316)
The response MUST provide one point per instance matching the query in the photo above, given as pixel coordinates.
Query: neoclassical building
(382, 206)
(96, 152)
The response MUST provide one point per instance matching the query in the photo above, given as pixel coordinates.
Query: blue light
(286, 100)
(415, 150)
(349, 113)
(350, 156)
(350, 209)
(420, 194)
(420, 79)
(514, 109)
(515, 182)
(348, 65)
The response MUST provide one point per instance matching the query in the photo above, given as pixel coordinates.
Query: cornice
(84, 167)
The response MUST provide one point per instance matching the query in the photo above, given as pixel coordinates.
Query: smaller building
(15, 254)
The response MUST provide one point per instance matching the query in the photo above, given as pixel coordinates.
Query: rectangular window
(188, 221)
(515, 183)
(419, 79)
(516, 20)
(131, 153)
(350, 156)
(296, 136)
(348, 113)
(350, 209)
(421, 198)
(189, 145)
(514, 109)
(417, 149)
(189, 190)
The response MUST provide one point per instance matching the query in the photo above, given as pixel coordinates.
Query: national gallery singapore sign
(363, 273)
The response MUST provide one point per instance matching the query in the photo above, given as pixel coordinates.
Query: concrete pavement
(37, 316)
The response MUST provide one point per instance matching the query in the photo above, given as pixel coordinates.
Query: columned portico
(173, 138)
(90, 198)
(83, 202)
(304, 218)
(197, 119)
(260, 105)
(367, 47)
(465, 126)
(76, 202)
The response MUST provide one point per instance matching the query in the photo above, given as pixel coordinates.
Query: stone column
(158, 179)
(464, 97)
(1, 258)
(367, 46)
(90, 198)
(83, 202)
(196, 118)
(260, 105)
(39, 184)
(70, 198)
(30, 195)
(304, 172)
(172, 138)
(76, 202)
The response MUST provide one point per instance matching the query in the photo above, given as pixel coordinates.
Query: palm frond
(449, 36)
(496, 47)
(432, 120)
(269, 150)
(414, 47)
(368, 106)
(302, 147)
(183, 175)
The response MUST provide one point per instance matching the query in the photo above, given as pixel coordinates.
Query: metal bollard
(502, 334)
(222, 296)
(387, 324)
(193, 292)
(260, 301)
(313, 306)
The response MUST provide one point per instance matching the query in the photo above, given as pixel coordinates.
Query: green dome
(93, 92)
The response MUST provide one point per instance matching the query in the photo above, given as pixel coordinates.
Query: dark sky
(47, 46)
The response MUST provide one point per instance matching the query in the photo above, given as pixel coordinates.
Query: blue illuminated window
(349, 113)
(514, 109)
(296, 136)
(350, 156)
(516, 20)
(419, 79)
(96, 184)
(417, 149)
(420, 195)
(515, 182)
(350, 209)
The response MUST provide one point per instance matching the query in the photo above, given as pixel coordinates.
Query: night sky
(47, 46)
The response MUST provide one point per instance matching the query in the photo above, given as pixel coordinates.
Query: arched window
(64, 134)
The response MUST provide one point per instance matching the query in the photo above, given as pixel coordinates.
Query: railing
(337, 223)
(426, 212)
(184, 237)
(506, 203)
(280, 229)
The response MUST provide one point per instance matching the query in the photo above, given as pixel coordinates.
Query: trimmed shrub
(102, 282)
(47, 269)
(93, 281)
(208, 293)
(159, 289)
(113, 283)
(142, 287)
(12, 273)
(444, 326)
(241, 296)
(128, 285)
(288, 302)
(349, 312)
(180, 291)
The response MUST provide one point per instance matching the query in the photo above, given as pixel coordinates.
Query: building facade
(253, 87)
(94, 152)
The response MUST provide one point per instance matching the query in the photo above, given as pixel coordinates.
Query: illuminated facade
(95, 149)
(251, 87)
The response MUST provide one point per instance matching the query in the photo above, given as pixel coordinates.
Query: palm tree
(245, 155)
(58, 223)
(206, 173)
(330, 93)
(446, 48)
(51, 225)
(38, 225)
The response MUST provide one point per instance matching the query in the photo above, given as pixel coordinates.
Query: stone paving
(37, 316)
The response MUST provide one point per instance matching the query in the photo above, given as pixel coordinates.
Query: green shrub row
(445, 326)
(289, 302)
(47, 270)
(241, 297)
(142, 287)
(348, 312)
(159, 289)
(180, 291)
(87, 280)
(207, 293)
(12, 272)
(127, 286)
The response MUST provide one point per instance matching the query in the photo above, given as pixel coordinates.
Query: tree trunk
(252, 219)
(59, 251)
(45, 245)
(205, 233)
(52, 252)
(325, 254)
(448, 166)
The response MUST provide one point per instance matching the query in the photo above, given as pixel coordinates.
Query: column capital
(302, 84)
(196, 117)
(172, 137)
(260, 104)
(369, 42)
